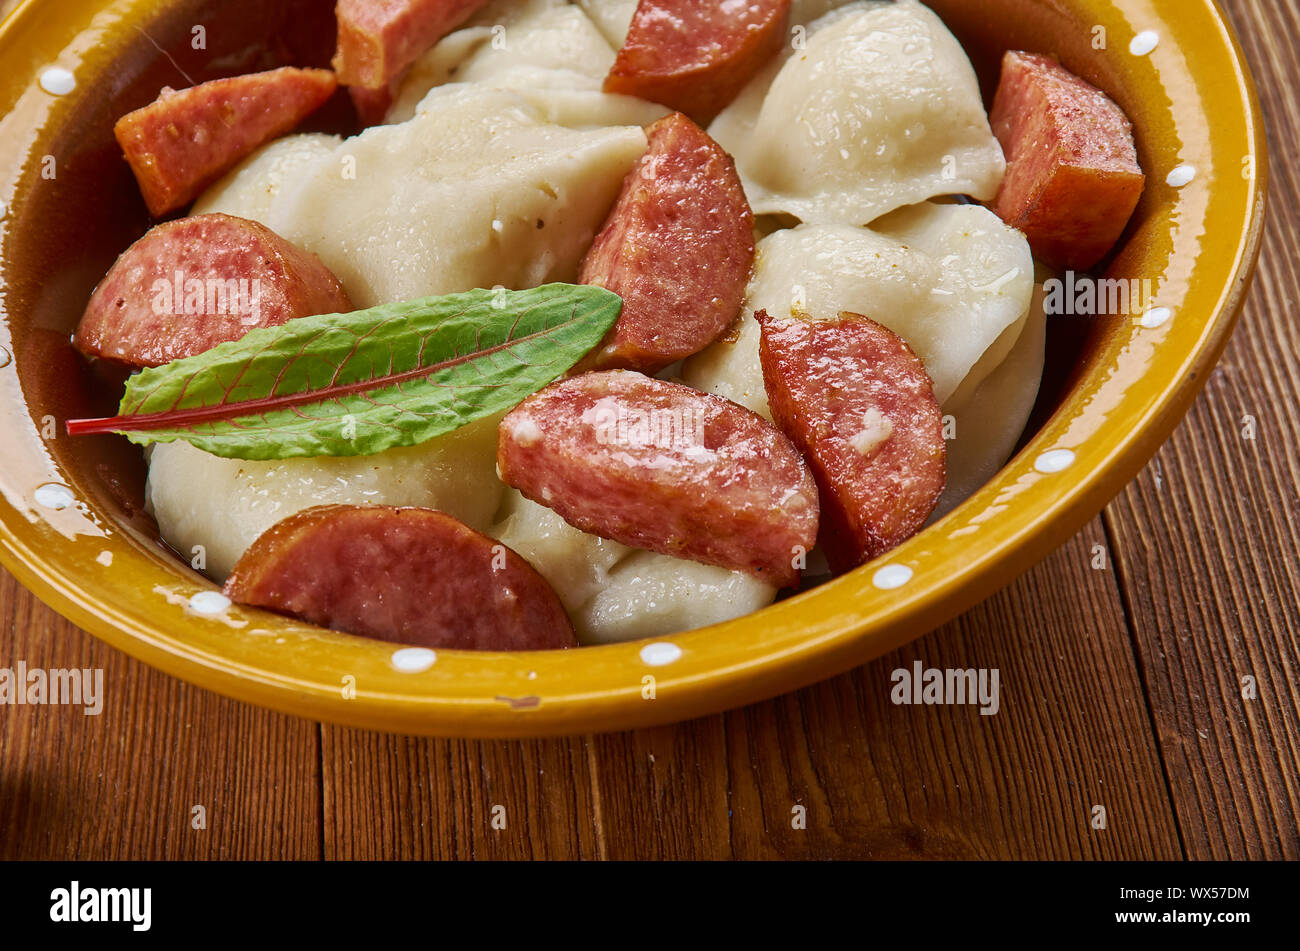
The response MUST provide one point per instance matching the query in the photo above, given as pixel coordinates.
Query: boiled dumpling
(986, 285)
(880, 109)
(612, 18)
(434, 68)
(549, 53)
(223, 505)
(543, 36)
(948, 279)
(653, 595)
(988, 423)
(806, 12)
(729, 367)
(617, 593)
(248, 190)
(477, 190)
(575, 563)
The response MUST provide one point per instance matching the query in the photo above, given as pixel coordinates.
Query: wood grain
(1207, 538)
(416, 798)
(123, 784)
(875, 780)
(879, 780)
(1121, 687)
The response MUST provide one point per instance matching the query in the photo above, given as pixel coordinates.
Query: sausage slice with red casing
(664, 467)
(695, 57)
(408, 575)
(377, 39)
(193, 283)
(858, 403)
(371, 105)
(186, 139)
(678, 248)
(1073, 178)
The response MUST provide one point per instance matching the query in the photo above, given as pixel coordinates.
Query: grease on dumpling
(477, 190)
(248, 190)
(948, 279)
(881, 109)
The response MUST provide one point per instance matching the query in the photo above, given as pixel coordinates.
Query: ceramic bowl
(73, 530)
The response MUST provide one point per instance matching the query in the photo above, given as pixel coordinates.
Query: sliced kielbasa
(663, 467)
(377, 39)
(1073, 178)
(678, 248)
(696, 57)
(193, 283)
(186, 139)
(407, 575)
(857, 401)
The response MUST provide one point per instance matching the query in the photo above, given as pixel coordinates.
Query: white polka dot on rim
(660, 653)
(1156, 317)
(105, 558)
(1057, 460)
(891, 576)
(57, 81)
(1180, 176)
(414, 660)
(209, 603)
(54, 495)
(1144, 43)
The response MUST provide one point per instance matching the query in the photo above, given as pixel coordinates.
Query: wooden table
(1121, 688)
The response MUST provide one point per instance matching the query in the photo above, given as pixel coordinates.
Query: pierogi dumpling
(880, 108)
(948, 279)
(223, 505)
(249, 189)
(413, 210)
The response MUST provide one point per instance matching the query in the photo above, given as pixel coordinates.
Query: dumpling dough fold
(478, 190)
(879, 109)
(548, 52)
(948, 279)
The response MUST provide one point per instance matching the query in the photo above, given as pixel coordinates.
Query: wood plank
(665, 792)
(1208, 538)
(395, 797)
(884, 781)
(123, 784)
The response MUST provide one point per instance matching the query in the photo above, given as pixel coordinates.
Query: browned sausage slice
(407, 575)
(664, 467)
(696, 57)
(371, 105)
(1073, 178)
(379, 38)
(186, 139)
(193, 283)
(678, 248)
(857, 401)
